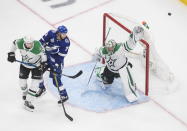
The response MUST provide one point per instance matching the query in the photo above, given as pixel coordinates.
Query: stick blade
(78, 74)
(69, 117)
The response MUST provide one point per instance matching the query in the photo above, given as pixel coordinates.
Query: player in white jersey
(117, 63)
(32, 53)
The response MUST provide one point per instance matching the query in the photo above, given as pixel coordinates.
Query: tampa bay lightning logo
(111, 62)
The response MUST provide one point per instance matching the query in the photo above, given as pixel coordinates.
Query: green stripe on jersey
(105, 51)
(127, 47)
(117, 47)
(20, 43)
(35, 50)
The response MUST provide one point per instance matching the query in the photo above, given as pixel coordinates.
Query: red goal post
(106, 17)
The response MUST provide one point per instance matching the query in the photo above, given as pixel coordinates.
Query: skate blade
(41, 95)
(28, 109)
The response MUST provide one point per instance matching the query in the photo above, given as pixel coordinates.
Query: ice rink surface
(84, 21)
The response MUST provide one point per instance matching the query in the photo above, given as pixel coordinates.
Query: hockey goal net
(118, 28)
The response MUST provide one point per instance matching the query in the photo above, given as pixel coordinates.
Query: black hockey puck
(169, 13)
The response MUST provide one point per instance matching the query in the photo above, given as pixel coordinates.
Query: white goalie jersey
(148, 67)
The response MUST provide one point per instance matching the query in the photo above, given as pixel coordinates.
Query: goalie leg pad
(129, 86)
(98, 71)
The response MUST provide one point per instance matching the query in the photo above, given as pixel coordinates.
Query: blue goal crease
(93, 97)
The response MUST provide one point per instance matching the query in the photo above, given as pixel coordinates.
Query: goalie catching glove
(137, 33)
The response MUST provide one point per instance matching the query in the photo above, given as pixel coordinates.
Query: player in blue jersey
(56, 44)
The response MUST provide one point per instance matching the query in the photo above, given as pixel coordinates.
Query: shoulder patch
(67, 40)
(53, 31)
(50, 33)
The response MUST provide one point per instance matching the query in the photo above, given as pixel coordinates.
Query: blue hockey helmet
(62, 29)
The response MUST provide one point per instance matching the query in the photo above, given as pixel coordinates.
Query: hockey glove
(11, 57)
(43, 67)
(56, 69)
(96, 56)
(138, 33)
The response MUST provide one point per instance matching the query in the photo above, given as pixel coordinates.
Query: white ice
(84, 20)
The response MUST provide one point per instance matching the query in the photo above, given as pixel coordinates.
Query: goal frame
(108, 16)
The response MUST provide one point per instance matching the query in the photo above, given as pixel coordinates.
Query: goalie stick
(91, 73)
(96, 61)
(73, 76)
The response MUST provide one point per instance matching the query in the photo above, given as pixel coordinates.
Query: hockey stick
(92, 73)
(73, 77)
(96, 61)
(29, 64)
(66, 114)
(78, 74)
(107, 33)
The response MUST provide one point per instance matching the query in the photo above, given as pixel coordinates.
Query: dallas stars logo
(26, 58)
(111, 62)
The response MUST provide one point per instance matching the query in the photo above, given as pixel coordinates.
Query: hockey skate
(63, 96)
(28, 106)
(64, 99)
(41, 92)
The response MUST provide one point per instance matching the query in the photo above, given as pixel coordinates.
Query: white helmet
(28, 39)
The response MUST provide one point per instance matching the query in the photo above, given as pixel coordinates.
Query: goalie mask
(110, 45)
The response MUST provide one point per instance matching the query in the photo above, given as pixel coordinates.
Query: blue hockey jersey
(56, 49)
